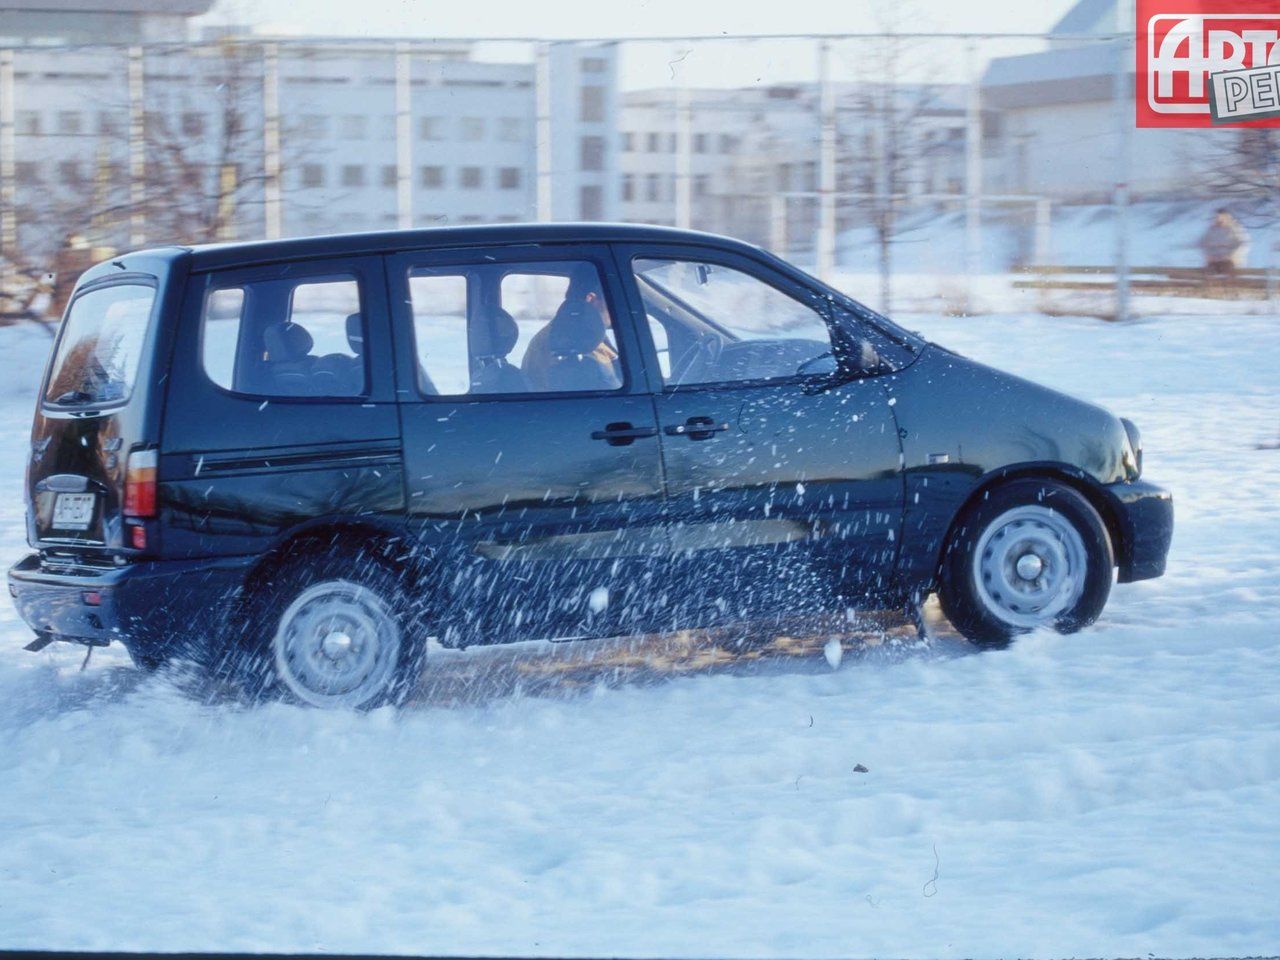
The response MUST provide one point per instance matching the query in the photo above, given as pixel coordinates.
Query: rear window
(97, 359)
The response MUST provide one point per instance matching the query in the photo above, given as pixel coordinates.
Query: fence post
(826, 165)
(137, 151)
(684, 159)
(404, 137)
(542, 132)
(973, 167)
(1041, 238)
(778, 223)
(1123, 93)
(271, 139)
(8, 173)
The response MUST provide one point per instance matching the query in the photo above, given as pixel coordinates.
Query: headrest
(583, 279)
(495, 335)
(575, 329)
(286, 341)
(355, 333)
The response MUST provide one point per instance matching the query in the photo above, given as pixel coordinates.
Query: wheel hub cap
(337, 645)
(1030, 566)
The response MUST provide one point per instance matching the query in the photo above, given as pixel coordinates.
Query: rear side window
(513, 328)
(101, 344)
(286, 338)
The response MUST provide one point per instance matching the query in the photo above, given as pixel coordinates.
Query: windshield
(101, 343)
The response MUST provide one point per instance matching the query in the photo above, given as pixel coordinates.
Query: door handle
(696, 428)
(622, 434)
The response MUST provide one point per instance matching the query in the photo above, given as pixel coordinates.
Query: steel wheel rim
(337, 645)
(1030, 566)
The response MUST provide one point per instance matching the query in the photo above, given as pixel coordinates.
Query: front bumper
(1144, 514)
(146, 606)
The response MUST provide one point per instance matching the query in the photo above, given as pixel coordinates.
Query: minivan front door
(782, 478)
(531, 445)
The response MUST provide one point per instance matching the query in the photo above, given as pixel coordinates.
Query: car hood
(955, 414)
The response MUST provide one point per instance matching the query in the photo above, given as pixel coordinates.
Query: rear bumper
(146, 606)
(1144, 513)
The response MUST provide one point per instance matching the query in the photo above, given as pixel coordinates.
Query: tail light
(140, 484)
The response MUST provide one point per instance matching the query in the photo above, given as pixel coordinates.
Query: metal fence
(921, 171)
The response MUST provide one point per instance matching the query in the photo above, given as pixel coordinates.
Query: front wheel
(1032, 553)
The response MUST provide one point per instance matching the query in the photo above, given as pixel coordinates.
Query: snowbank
(1111, 793)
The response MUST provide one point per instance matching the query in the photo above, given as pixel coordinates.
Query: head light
(1135, 447)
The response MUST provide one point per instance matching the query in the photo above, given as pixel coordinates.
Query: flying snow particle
(833, 652)
(598, 600)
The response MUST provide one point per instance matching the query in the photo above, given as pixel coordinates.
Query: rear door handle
(622, 434)
(696, 428)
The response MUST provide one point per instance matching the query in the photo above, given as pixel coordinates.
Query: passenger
(584, 290)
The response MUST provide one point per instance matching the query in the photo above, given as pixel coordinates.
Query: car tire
(1030, 553)
(333, 631)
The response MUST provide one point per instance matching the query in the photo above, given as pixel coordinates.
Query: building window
(390, 175)
(591, 153)
(28, 122)
(69, 172)
(510, 128)
(699, 143)
(109, 124)
(591, 202)
(26, 172)
(628, 186)
(472, 128)
(354, 127)
(314, 126)
(471, 178)
(672, 140)
(701, 184)
(509, 178)
(653, 143)
(594, 65)
(70, 123)
(653, 187)
(352, 175)
(430, 128)
(591, 105)
(193, 125)
(312, 175)
(628, 142)
(431, 178)
(728, 143)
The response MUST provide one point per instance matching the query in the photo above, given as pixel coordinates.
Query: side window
(513, 328)
(716, 324)
(286, 338)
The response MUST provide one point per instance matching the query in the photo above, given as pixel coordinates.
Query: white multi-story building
(749, 148)
(366, 135)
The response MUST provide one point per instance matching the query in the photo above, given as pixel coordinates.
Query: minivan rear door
(91, 412)
(531, 446)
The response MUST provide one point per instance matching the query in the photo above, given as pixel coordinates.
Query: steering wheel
(703, 354)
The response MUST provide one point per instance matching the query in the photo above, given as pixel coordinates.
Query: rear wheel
(335, 631)
(1032, 553)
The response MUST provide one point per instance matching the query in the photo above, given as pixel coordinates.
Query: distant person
(1225, 244)
(583, 293)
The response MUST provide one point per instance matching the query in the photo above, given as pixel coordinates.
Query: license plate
(73, 511)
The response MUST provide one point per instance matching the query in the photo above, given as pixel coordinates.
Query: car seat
(574, 333)
(288, 359)
(492, 339)
(347, 372)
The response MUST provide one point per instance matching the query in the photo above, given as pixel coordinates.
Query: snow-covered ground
(1110, 793)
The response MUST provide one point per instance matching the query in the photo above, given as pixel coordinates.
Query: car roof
(221, 255)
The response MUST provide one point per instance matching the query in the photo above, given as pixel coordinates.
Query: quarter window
(286, 338)
(513, 328)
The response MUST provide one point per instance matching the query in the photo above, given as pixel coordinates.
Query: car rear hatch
(89, 463)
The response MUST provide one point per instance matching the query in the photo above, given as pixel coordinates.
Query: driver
(584, 288)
